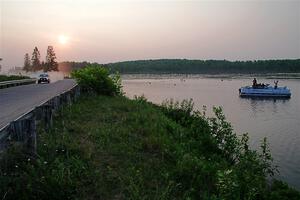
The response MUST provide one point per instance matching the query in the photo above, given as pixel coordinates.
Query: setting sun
(63, 39)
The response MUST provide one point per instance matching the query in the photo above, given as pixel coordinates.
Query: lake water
(278, 120)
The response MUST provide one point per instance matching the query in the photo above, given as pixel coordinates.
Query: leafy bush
(94, 78)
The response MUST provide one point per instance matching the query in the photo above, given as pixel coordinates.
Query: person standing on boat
(276, 83)
(254, 83)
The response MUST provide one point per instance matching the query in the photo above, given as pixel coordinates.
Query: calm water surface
(278, 120)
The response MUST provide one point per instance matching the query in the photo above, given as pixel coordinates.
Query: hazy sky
(116, 30)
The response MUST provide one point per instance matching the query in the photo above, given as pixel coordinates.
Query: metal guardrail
(6, 84)
(23, 129)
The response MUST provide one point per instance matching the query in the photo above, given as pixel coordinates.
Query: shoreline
(295, 76)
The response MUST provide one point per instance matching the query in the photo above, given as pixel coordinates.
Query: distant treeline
(184, 66)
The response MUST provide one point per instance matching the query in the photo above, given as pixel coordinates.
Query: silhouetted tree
(35, 59)
(51, 64)
(27, 64)
(0, 65)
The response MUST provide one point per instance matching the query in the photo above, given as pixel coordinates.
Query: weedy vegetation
(12, 77)
(111, 147)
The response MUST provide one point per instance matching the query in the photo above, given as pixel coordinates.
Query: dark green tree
(27, 64)
(43, 65)
(35, 60)
(51, 64)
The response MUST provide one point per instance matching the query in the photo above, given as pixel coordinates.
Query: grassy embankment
(115, 148)
(12, 77)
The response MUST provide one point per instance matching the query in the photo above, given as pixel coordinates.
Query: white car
(43, 78)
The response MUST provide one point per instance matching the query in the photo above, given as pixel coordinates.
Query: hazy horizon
(117, 30)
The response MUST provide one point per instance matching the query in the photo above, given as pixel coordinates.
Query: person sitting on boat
(254, 83)
(276, 83)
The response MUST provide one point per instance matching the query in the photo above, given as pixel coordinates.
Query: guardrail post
(24, 131)
(77, 92)
(16, 130)
(32, 143)
(48, 117)
(61, 99)
(5, 138)
(45, 114)
(69, 100)
(56, 103)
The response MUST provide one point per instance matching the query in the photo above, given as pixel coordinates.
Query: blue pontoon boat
(265, 91)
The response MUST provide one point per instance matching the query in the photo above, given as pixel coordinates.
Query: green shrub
(94, 78)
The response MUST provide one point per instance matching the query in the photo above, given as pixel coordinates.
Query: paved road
(16, 101)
